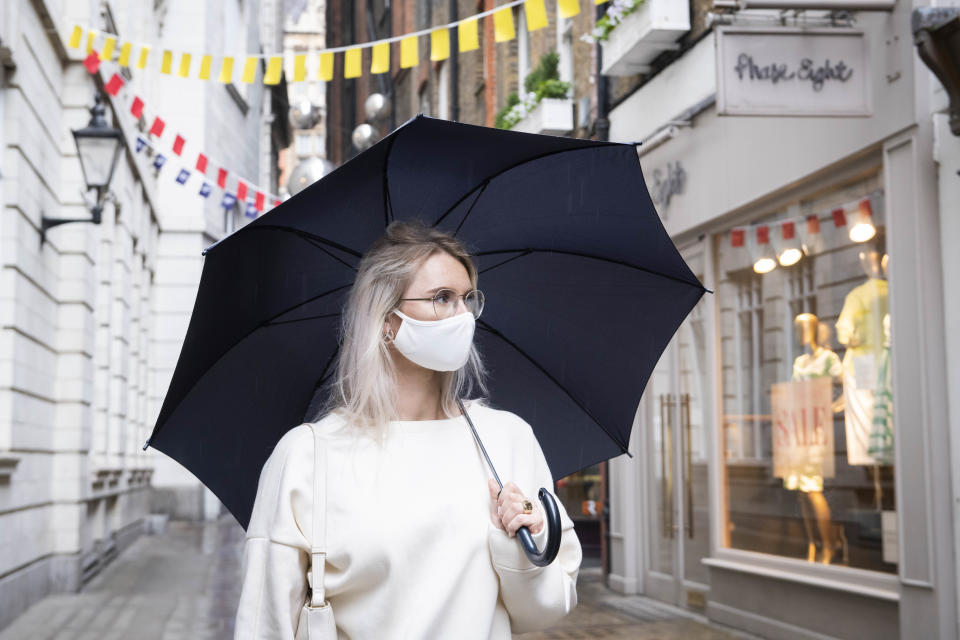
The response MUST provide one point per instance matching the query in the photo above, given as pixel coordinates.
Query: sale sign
(802, 428)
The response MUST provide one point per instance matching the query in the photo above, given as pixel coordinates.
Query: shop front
(793, 469)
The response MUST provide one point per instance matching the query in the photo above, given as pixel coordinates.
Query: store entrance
(676, 423)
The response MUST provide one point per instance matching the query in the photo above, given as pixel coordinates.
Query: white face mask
(441, 345)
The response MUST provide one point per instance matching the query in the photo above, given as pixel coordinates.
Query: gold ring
(527, 506)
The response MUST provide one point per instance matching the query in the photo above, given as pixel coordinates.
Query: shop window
(807, 401)
(581, 494)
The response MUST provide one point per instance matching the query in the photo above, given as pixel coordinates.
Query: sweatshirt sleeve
(536, 597)
(276, 552)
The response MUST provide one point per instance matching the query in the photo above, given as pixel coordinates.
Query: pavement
(184, 584)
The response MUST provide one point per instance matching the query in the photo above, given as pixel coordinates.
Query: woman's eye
(443, 297)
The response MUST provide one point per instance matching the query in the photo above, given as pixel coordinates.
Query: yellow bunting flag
(124, 60)
(184, 69)
(166, 61)
(249, 70)
(326, 66)
(536, 14)
(226, 71)
(380, 58)
(440, 44)
(142, 60)
(467, 35)
(108, 46)
(75, 37)
(599, 1)
(300, 67)
(352, 59)
(91, 36)
(408, 52)
(205, 62)
(568, 8)
(274, 70)
(503, 25)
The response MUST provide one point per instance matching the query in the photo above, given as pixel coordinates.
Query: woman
(417, 546)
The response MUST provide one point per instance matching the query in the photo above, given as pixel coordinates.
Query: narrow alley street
(184, 584)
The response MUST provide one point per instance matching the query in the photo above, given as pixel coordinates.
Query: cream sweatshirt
(412, 552)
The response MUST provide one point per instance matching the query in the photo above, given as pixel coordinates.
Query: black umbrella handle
(552, 513)
(552, 547)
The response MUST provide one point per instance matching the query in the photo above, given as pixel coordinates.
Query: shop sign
(666, 184)
(802, 428)
(792, 72)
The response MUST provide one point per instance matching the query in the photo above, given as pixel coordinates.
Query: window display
(808, 430)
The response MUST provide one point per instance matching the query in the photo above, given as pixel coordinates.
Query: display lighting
(765, 262)
(863, 228)
(789, 252)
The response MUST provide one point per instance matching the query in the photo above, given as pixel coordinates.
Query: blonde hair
(363, 388)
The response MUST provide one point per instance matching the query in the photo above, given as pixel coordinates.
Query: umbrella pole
(551, 513)
(482, 448)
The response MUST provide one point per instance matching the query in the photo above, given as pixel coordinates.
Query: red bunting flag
(276, 203)
(157, 127)
(813, 224)
(865, 208)
(839, 218)
(222, 178)
(241, 190)
(787, 230)
(178, 144)
(259, 200)
(736, 238)
(137, 108)
(763, 234)
(201, 163)
(92, 61)
(114, 84)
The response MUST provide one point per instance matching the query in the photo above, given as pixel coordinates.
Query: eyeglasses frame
(462, 296)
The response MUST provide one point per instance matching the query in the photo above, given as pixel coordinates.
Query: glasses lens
(444, 303)
(474, 302)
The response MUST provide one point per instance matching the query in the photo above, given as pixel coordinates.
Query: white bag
(316, 616)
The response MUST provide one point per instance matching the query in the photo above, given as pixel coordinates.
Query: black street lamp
(98, 146)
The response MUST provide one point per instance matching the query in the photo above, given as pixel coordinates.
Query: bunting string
(243, 189)
(177, 63)
(808, 225)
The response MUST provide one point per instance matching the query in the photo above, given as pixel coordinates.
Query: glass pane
(582, 496)
(691, 423)
(807, 424)
(662, 413)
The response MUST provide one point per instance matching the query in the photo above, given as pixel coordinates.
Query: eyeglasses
(445, 302)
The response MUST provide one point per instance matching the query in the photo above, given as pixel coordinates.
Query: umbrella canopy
(584, 290)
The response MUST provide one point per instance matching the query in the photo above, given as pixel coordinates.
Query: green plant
(543, 82)
(616, 12)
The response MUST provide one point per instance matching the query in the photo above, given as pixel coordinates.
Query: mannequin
(860, 329)
(817, 361)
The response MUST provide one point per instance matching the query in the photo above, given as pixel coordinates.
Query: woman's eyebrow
(435, 289)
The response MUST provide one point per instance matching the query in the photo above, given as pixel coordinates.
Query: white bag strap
(318, 551)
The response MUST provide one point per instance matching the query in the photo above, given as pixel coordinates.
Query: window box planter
(643, 35)
(551, 116)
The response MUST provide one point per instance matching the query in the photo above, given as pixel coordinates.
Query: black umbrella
(584, 290)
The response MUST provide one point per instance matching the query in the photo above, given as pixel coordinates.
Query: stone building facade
(93, 318)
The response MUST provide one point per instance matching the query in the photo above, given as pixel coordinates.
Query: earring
(388, 336)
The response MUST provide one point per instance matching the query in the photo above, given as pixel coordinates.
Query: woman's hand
(507, 511)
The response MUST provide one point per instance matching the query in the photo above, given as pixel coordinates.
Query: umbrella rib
(486, 180)
(273, 323)
(491, 267)
(305, 234)
(156, 427)
(550, 376)
(528, 251)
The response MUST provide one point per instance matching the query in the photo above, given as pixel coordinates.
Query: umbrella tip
(146, 444)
